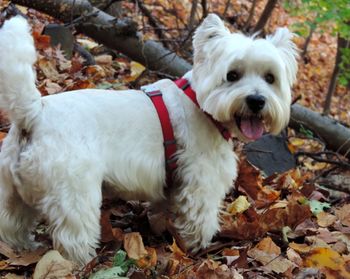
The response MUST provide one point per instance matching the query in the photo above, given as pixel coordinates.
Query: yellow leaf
(136, 70)
(315, 166)
(240, 205)
(327, 259)
(297, 142)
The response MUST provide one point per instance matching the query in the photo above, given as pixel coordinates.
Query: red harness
(168, 134)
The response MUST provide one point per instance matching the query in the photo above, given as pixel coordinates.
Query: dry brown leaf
(293, 256)
(12, 276)
(95, 72)
(41, 41)
(265, 251)
(250, 181)
(52, 265)
(149, 260)
(52, 87)
(300, 247)
(104, 59)
(49, 68)
(2, 136)
(28, 257)
(343, 214)
(280, 265)
(210, 269)
(106, 227)
(7, 251)
(325, 219)
(133, 246)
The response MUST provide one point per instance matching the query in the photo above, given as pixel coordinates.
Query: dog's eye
(233, 76)
(270, 78)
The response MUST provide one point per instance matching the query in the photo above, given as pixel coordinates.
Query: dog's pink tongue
(252, 127)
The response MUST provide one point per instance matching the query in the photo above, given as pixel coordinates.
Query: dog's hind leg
(74, 217)
(17, 219)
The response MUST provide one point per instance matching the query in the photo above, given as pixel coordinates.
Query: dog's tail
(18, 94)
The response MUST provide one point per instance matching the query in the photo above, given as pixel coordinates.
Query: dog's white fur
(61, 148)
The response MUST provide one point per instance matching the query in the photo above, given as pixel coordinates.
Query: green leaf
(119, 258)
(308, 133)
(317, 207)
(120, 261)
(111, 273)
(104, 85)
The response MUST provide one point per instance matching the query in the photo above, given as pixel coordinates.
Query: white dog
(61, 148)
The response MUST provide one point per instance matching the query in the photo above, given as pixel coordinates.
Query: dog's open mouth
(252, 127)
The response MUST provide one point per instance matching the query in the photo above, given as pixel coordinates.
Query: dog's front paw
(192, 236)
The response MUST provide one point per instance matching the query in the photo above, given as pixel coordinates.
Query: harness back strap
(167, 129)
(185, 86)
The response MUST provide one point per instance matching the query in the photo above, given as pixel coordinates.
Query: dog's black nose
(255, 102)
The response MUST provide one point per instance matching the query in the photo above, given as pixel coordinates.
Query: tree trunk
(333, 82)
(265, 15)
(107, 30)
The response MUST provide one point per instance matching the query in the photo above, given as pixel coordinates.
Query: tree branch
(116, 34)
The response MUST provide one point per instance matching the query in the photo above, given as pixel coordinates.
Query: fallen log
(121, 35)
(118, 34)
(335, 135)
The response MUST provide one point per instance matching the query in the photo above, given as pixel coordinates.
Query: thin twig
(205, 8)
(251, 15)
(227, 6)
(192, 15)
(152, 21)
(318, 156)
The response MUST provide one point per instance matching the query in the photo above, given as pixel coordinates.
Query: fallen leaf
(53, 265)
(149, 260)
(300, 247)
(2, 135)
(86, 43)
(136, 70)
(12, 276)
(265, 251)
(104, 59)
(213, 270)
(28, 257)
(316, 206)
(49, 69)
(293, 256)
(7, 251)
(325, 219)
(110, 273)
(280, 265)
(329, 261)
(343, 214)
(133, 245)
(239, 205)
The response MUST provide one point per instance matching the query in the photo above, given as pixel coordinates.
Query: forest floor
(293, 224)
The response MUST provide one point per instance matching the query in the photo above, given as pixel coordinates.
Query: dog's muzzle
(255, 102)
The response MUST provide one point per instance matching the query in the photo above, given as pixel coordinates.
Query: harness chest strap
(167, 129)
(185, 86)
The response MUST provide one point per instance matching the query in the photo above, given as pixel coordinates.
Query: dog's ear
(210, 29)
(282, 39)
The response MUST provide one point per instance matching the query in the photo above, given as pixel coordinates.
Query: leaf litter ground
(282, 226)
